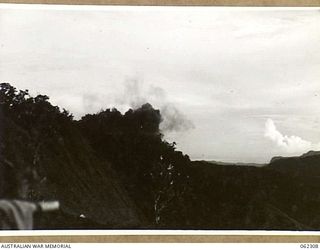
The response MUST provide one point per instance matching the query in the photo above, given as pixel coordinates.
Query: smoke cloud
(136, 94)
(174, 120)
(289, 144)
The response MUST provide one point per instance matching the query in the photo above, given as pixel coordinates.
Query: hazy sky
(234, 84)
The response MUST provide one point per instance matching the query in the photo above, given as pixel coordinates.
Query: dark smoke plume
(136, 94)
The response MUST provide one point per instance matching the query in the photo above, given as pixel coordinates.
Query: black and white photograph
(159, 118)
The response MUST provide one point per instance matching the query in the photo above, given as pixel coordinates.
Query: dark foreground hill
(114, 170)
(108, 170)
(41, 145)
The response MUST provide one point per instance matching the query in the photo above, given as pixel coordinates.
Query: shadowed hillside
(42, 145)
(114, 170)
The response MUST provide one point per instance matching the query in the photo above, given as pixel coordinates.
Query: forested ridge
(115, 170)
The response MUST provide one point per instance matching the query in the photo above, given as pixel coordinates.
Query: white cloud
(289, 144)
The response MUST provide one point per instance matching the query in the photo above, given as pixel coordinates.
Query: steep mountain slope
(108, 170)
(43, 146)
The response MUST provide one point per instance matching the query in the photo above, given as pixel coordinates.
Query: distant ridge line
(234, 163)
(275, 158)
